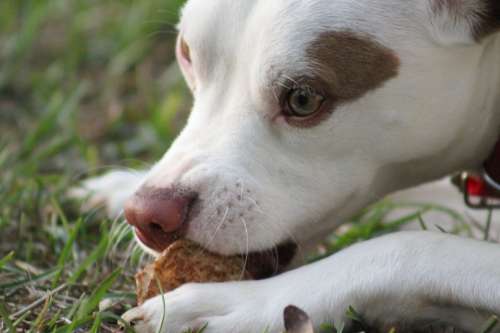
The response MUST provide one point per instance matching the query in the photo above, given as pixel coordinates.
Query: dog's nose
(159, 215)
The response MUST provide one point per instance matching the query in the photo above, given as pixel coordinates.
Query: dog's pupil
(303, 100)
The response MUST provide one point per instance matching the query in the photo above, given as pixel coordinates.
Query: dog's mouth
(265, 264)
(260, 265)
(161, 240)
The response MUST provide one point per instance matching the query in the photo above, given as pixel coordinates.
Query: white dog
(305, 112)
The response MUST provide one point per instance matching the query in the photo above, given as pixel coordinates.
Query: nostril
(156, 227)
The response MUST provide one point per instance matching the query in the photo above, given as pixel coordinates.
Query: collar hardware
(480, 191)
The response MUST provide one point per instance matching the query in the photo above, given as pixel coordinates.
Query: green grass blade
(92, 301)
(58, 108)
(72, 328)
(63, 257)
(164, 308)
(53, 321)
(40, 320)
(97, 324)
(26, 281)
(98, 253)
(76, 305)
(490, 325)
(5, 315)
(367, 230)
(20, 319)
(422, 223)
(6, 259)
(60, 214)
(23, 40)
(488, 225)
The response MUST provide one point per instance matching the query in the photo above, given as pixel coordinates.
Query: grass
(86, 85)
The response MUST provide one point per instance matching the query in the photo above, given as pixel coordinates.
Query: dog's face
(306, 111)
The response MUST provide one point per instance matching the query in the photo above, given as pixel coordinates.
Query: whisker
(118, 233)
(279, 227)
(219, 226)
(132, 248)
(143, 257)
(247, 251)
(203, 249)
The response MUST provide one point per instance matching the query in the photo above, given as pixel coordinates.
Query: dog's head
(305, 111)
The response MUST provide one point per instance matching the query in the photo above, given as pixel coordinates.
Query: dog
(304, 113)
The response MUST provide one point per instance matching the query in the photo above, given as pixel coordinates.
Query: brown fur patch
(351, 64)
(297, 321)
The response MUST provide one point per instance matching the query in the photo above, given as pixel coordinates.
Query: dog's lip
(142, 238)
(265, 264)
(259, 264)
(154, 245)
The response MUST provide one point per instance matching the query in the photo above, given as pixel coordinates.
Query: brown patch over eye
(351, 64)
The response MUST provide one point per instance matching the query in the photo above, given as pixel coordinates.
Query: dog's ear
(463, 21)
(297, 321)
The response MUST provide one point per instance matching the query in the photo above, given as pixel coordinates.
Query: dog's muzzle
(161, 216)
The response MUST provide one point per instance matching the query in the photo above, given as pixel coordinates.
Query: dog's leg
(109, 191)
(403, 278)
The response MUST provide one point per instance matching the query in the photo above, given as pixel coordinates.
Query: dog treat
(184, 262)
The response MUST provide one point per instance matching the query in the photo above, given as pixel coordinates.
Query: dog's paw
(109, 191)
(238, 307)
(140, 320)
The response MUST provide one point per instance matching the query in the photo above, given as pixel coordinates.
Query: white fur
(455, 26)
(261, 182)
(110, 190)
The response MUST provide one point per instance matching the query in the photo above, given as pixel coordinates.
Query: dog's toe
(133, 315)
(226, 307)
(137, 319)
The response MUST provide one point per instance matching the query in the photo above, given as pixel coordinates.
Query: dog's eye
(303, 102)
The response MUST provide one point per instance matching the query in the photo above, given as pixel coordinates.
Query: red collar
(482, 190)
